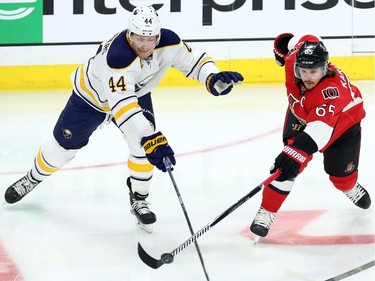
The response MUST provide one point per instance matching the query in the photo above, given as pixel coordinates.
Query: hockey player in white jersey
(116, 85)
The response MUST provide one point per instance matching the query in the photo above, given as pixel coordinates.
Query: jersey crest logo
(330, 93)
(143, 83)
(293, 101)
(294, 104)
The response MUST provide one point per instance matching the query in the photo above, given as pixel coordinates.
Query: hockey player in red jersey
(115, 84)
(324, 114)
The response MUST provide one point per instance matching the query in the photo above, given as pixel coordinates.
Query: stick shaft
(168, 167)
(352, 272)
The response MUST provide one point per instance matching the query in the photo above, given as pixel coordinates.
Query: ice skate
(139, 208)
(20, 188)
(359, 196)
(261, 224)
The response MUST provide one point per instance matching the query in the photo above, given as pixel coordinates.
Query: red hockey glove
(222, 83)
(280, 47)
(289, 161)
(156, 148)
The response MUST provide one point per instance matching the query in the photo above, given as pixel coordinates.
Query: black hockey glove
(222, 83)
(289, 161)
(156, 148)
(280, 47)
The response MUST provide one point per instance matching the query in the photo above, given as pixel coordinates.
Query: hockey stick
(167, 165)
(167, 258)
(352, 272)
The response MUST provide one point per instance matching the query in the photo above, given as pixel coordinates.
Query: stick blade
(147, 259)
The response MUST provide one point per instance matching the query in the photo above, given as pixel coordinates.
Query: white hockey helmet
(144, 20)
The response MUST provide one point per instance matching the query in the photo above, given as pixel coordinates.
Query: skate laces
(141, 206)
(355, 194)
(24, 186)
(264, 218)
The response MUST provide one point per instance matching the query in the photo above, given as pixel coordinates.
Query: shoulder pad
(120, 54)
(168, 38)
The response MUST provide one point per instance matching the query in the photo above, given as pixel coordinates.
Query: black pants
(341, 157)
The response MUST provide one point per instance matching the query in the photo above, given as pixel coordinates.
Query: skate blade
(145, 227)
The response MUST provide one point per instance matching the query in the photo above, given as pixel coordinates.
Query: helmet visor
(301, 72)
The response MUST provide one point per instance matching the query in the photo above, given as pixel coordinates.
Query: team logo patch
(143, 83)
(67, 134)
(330, 93)
(350, 168)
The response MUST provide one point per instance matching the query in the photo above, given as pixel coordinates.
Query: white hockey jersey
(114, 79)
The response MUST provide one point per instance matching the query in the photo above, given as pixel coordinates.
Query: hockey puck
(167, 258)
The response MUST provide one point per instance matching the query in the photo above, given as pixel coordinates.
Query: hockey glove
(156, 148)
(222, 83)
(289, 161)
(280, 47)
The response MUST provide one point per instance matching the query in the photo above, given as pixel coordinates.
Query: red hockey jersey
(327, 110)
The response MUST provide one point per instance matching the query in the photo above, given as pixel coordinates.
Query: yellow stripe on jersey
(140, 167)
(205, 60)
(44, 166)
(125, 109)
(87, 91)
